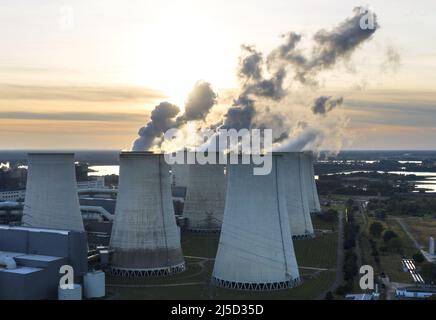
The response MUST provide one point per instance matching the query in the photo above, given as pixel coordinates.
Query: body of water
(428, 182)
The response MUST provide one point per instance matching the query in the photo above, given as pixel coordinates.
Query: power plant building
(297, 197)
(145, 238)
(51, 195)
(205, 197)
(255, 249)
(309, 183)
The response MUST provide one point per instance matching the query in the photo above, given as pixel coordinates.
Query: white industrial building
(145, 238)
(255, 250)
(51, 193)
(309, 183)
(205, 197)
(297, 197)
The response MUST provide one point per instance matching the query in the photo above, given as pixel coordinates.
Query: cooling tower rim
(148, 272)
(260, 286)
(125, 154)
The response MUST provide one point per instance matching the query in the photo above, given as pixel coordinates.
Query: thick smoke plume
(264, 99)
(164, 116)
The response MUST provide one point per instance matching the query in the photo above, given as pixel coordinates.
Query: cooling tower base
(142, 273)
(206, 230)
(247, 286)
(306, 236)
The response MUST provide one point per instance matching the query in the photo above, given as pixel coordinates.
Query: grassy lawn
(422, 228)
(319, 252)
(194, 282)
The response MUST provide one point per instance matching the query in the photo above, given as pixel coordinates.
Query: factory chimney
(255, 250)
(145, 238)
(309, 183)
(51, 193)
(297, 198)
(205, 197)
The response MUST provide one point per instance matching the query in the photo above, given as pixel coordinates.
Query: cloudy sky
(85, 74)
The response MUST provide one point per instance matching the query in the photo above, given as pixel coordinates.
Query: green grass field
(200, 251)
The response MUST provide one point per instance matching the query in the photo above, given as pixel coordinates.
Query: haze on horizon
(84, 74)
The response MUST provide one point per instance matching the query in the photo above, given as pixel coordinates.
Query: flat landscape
(316, 258)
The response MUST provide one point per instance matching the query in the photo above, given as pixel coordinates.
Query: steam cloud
(325, 104)
(264, 88)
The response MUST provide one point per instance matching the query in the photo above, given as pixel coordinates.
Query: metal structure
(205, 197)
(145, 238)
(255, 250)
(309, 183)
(51, 193)
(297, 198)
(431, 246)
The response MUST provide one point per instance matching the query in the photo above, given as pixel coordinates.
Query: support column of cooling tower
(309, 182)
(255, 250)
(297, 201)
(51, 193)
(145, 240)
(205, 197)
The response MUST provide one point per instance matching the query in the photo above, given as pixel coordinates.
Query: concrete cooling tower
(297, 198)
(180, 175)
(145, 238)
(309, 182)
(205, 197)
(255, 250)
(51, 193)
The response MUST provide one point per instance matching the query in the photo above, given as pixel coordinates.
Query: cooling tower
(255, 250)
(51, 194)
(145, 238)
(205, 197)
(309, 182)
(180, 175)
(297, 198)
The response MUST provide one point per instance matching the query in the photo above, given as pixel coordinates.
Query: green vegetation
(376, 229)
(418, 257)
(411, 206)
(317, 258)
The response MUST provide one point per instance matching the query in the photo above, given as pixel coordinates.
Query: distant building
(362, 296)
(417, 292)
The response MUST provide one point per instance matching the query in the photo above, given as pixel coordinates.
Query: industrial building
(51, 192)
(255, 249)
(297, 198)
(30, 260)
(309, 183)
(145, 238)
(205, 197)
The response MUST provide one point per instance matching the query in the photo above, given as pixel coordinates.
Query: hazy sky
(84, 74)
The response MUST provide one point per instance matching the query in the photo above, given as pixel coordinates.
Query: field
(390, 263)
(422, 228)
(316, 258)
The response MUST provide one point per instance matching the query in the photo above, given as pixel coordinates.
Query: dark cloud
(324, 104)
